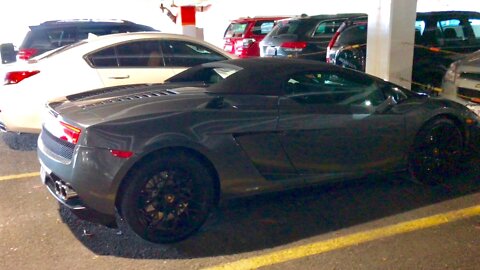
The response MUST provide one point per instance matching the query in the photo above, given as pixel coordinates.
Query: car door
(254, 119)
(334, 124)
(131, 63)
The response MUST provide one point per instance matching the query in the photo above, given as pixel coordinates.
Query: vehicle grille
(127, 98)
(56, 145)
(470, 76)
(469, 93)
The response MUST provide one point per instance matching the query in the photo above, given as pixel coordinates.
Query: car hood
(121, 102)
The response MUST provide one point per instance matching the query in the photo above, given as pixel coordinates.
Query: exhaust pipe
(64, 191)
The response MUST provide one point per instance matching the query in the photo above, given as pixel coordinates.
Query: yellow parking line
(348, 240)
(19, 176)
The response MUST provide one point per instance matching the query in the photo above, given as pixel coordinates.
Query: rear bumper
(71, 200)
(21, 119)
(87, 183)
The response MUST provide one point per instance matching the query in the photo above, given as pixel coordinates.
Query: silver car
(462, 80)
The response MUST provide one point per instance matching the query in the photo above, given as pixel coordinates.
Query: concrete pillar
(391, 33)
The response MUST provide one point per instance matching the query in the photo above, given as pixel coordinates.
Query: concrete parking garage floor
(319, 227)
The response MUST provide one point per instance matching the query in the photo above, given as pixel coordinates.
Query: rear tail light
(330, 45)
(25, 54)
(60, 129)
(70, 134)
(294, 46)
(15, 77)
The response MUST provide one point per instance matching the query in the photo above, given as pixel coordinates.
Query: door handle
(119, 77)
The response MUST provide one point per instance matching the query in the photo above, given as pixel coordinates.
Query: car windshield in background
(452, 30)
(288, 27)
(263, 27)
(236, 30)
(59, 50)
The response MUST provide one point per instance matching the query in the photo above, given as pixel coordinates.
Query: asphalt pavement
(320, 227)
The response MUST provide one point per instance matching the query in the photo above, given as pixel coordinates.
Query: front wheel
(168, 198)
(437, 152)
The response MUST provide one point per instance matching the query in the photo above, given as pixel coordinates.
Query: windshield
(292, 27)
(59, 50)
(235, 30)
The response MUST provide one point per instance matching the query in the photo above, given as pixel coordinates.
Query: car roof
(97, 42)
(328, 16)
(81, 22)
(265, 76)
(447, 13)
(258, 18)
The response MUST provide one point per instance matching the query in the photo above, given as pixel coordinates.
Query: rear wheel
(168, 198)
(437, 152)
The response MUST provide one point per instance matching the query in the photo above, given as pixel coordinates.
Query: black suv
(304, 36)
(53, 34)
(440, 38)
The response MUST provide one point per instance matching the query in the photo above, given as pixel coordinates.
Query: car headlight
(474, 107)
(451, 75)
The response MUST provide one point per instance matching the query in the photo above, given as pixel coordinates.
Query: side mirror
(386, 105)
(8, 53)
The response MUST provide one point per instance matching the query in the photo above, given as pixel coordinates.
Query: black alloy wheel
(169, 198)
(437, 152)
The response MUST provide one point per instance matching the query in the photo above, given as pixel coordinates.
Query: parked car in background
(440, 38)
(53, 34)
(163, 155)
(110, 60)
(243, 35)
(462, 79)
(8, 53)
(303, 37)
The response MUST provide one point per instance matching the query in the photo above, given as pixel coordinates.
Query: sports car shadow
(271, 220)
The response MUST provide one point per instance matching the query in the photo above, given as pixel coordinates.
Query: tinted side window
(335, 88)
(327, 28)
(475, 24)
(103, 58)
(450, 32)
(262, 27)
(187, 54)
(140, 54)
(356, 34)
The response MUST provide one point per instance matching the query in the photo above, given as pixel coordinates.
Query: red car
(244, 34)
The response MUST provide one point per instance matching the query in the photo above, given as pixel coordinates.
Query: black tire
(437, 152)
(168, 198)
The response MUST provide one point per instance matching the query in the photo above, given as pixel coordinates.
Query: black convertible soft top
(253, 76)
